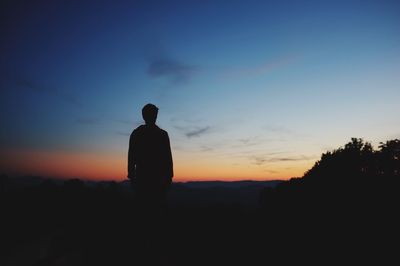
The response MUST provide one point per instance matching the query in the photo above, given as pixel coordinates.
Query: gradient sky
(246, 89)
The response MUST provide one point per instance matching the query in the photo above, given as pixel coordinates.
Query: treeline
(353, 173)
(358, 158)
(344, 207)
(355, 181)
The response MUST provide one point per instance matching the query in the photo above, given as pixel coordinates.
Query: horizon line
(174, 180)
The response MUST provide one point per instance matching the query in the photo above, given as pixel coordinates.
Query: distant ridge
(36, 180)
(191, 193)
(230, 184)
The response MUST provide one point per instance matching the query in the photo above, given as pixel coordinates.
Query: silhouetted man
(150, 161)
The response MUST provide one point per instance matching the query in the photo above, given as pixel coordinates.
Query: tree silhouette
(352, 175)
(356, 158)
(389, 158)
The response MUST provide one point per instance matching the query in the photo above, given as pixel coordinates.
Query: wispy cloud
(245, 141)
(278, 129)
(25, 83)
(127, 122)
(123, 121)
(193, 131)
(260, 160)
(123, 133)
(271, 171)
(197, 132)
(261, 69)
(270, 134)
(290, 159)
(172, 69)
(205, 148)
(249, 141)
(163, 64)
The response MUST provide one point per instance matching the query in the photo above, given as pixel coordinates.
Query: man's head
(149, 113)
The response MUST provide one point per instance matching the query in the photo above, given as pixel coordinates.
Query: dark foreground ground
(76, 225)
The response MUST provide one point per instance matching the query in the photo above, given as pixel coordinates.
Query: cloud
(279, 129)
(124, 121)
(260, 160)
(69, 98)
(98, 120)
(245, 141)
(25, 83)
(271, 171)
(193, 131)
(250, 141)
(197, 132)
(273, 134)
(123, 133)
(290, 159)
(261, 69)
(205, 148)
(173, 70)
(256, 141)
(127, 122)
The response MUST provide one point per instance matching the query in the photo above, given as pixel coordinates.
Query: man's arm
(131, 158)
(170, 166)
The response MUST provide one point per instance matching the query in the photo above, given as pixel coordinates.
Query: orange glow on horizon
(102, 166)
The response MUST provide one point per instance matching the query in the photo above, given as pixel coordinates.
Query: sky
(245, 89)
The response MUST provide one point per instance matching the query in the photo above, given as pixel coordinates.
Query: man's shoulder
(137, 130)
(142, 129)
(163, 132)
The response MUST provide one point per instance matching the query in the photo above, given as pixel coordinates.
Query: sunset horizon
(257, 90)
(197, 132)
(97, 168)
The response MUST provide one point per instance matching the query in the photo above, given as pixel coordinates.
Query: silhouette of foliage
(389, 158)
(353, 176)
(347, 201)
(359, 158)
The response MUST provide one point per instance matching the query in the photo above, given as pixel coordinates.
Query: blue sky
(246, 89)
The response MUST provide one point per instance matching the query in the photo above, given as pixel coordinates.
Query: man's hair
(149, 113)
